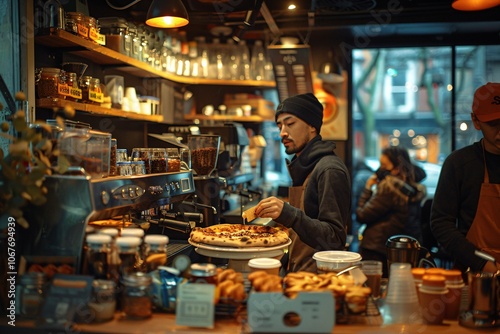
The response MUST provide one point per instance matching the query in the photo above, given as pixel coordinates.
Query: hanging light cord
(124, 7)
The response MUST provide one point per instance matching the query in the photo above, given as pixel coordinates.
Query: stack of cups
(401, 303)
(432, 296)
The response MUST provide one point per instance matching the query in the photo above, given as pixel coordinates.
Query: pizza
(240, 236)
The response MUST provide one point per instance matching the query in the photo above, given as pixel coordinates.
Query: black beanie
(304, 106)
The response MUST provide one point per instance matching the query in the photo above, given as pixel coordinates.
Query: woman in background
(389, 204)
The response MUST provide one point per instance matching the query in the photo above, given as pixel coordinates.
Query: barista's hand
(270, 207)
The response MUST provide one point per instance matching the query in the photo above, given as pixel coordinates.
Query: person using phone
(389, 205)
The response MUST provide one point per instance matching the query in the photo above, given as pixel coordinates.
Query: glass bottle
(244, 52)
(155, 251)
(203, 57)
(31, 292)
(98, 255)
(136, 298)
(258, 61)
(103, 300)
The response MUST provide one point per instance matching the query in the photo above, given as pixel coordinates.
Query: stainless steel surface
(74, 201)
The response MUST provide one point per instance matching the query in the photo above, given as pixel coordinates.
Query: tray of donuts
(349, 296)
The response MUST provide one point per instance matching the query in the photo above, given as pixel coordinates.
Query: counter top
(165, 323)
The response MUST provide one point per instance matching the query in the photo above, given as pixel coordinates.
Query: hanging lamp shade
(472, 5)
(167, 14)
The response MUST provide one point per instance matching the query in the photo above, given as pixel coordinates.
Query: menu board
(292, 69)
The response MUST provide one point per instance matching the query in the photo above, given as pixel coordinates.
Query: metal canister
(203, 273)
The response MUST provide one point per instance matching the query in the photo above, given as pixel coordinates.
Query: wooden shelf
(104, 56)
(50, 103)
(226, 118)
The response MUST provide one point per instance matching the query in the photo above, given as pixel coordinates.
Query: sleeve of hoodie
(327, 202)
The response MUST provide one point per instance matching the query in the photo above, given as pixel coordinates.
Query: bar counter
(165, 323)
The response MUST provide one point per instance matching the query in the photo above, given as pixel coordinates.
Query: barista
(465, 214)
(319, 207)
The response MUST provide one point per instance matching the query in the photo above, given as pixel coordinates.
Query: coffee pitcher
(406, 249)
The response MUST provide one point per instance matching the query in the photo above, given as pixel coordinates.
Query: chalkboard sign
(292, 69)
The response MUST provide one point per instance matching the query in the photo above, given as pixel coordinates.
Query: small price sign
(195, 305)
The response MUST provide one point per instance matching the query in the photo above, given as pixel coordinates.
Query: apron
(484, 232)
(300, 254)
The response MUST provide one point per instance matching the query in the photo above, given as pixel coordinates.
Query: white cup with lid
(270, 265)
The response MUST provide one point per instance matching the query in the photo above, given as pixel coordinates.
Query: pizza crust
(240, 236)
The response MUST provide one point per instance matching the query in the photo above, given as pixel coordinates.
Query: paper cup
(270, 265)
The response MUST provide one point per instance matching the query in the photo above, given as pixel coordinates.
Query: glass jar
(74, 88)
(114, 258)
(80, 21)
(203, 273)
(158, 160)
(85, 86)
(138, 167)
(121, 154)
(155, 251)
(103, 300)
(112, 158)
(174, 160)
(71, 26)
(116, 31)
(143, 154)
(137, 296)
(98, 255)
(124, 168)
(48, 80)
(32, 292)
(135, 45)
(95, 92)
(128, 251)
(93, 26)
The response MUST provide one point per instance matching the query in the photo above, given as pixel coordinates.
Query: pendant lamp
(473, 5)
(167, 14)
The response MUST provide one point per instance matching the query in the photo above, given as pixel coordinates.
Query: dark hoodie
(327, 197)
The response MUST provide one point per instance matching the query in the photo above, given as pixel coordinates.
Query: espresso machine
(58, 227)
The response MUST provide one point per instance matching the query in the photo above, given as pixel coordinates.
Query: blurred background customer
(389, 204)
(465, 214)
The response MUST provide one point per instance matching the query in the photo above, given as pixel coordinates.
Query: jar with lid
(85, 86)
(114, 258)
(135, 42)
(121, 154)
(93, 26)
(158, 160)
(95, 92)
(128, 251)
(74, 89)
(103, 301)
(112, 158)
(80, 21)
(116, 31)
(31, 293)
(203, 273)
(48, 80)
(155, 251)
(99, 246)
(138, 167)
(143, 154)
(124, 168)
(174, 160)
(137, 296)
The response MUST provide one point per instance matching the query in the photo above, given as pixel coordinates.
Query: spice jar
(95, 92)
(136, 297)
(121, 154)
(124, 168)
(203, 273)
(155, 251)
(143, 154)
(98, 255)
(174, 160)
(80, 21)
(158, 160)
(128, 250)
(48, 80)
(103, 300)
(74, 93)
(85, 85)
(31, 292)
(138, 167)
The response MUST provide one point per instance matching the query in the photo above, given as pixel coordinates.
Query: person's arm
(373, 206)
(333, 204)
(445, 212)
